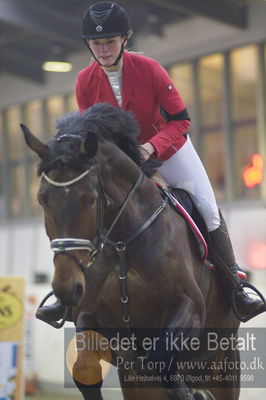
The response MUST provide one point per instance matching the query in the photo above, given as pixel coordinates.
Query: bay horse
(123, 257)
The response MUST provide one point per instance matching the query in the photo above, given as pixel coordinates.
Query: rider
(141, 85)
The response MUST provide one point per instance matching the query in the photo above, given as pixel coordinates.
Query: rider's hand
(146, 151)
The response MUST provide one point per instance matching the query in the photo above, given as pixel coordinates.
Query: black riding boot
(221, 252)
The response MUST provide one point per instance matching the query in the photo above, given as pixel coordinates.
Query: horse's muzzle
(69, 297)
(77, 294)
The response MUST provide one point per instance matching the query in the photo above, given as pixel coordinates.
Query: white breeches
(186, 171)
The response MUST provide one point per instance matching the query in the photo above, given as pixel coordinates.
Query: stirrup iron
(247, 317)
(54, 324)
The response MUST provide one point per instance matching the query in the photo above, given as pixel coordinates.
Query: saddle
(185, 205)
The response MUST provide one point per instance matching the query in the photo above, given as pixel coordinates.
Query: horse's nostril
(77, 293)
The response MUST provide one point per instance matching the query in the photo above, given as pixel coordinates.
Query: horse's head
(71, 192)
(67, 194)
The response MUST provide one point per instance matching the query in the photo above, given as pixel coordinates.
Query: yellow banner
(11, 338)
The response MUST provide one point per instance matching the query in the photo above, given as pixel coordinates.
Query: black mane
(107, 123)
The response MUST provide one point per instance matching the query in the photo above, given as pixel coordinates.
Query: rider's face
(106, 50)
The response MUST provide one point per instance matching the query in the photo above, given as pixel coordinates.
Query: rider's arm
(173, 110)
(81, 99)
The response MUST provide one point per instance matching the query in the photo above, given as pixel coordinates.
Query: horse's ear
(34, 143)
(90, 145)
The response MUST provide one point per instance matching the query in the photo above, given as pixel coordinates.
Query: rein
(67, 245)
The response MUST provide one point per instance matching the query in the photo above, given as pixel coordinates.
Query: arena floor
(246, 394)
(107, 395)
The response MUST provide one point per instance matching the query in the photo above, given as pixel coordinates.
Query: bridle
(66, 246)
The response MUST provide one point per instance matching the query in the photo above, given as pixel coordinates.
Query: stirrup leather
(247, 317)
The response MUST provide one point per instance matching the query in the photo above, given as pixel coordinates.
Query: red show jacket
(146, 88)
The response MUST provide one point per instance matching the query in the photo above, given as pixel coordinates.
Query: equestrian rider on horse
(141, 85)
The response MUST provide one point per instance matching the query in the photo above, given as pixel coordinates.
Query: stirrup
(247, 317)
(54, 324)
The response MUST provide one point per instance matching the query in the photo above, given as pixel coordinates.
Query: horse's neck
(142, 204)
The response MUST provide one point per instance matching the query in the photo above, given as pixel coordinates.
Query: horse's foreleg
(226, 393)
(182, 392)
(90, 392)
(87, 375)
(231, 390)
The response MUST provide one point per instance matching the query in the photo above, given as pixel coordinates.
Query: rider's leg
(185, 170)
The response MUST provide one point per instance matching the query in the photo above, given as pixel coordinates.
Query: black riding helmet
(105, 19)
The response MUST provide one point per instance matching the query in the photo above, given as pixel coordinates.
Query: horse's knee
(87, 376)
(87, 372)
